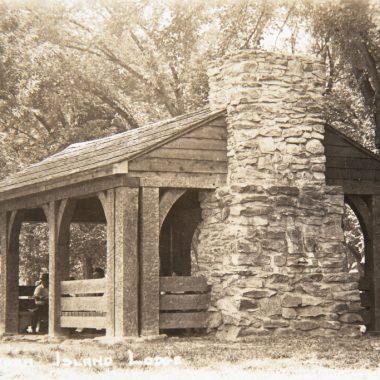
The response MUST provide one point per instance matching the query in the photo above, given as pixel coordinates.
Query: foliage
(76, 71)
(34, 252)
(87, 250)
(73, 71)
(346, 34)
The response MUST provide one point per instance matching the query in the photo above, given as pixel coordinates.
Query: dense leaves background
(71, 71)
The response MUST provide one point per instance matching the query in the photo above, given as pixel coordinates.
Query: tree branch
(114, 105)
(330, 80)
(284, 23)
(246, 43)
(160, 89)
(375, 83)
(22, 132)
(43, 122)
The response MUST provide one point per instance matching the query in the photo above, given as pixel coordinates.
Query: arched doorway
(357, 227)
(30, 242)
(177, 233)
(88, 240)
(354, 241)
(184, 298)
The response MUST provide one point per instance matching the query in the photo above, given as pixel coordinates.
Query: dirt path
(285, 358)
(283, 369)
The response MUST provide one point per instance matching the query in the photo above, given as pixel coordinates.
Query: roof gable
(348, 163)
(106, 153)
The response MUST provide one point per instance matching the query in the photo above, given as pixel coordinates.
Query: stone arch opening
(176, 235)
(358, 224)
(357, 227)
(354, 237)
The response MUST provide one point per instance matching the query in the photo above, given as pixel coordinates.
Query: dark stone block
(249, 189)
(259, 293)
(315, 277)
(246, 273)
(248, 304)
(290, 191)
(286, 201)
(257, 211)
(279, 278)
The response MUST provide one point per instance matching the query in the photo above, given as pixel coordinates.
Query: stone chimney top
(274, 115)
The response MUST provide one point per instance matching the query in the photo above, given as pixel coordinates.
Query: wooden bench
(184, 301)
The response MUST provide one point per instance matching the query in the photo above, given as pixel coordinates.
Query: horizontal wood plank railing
(25, 305)
(366, 299)
(184, 301)
(83, 303)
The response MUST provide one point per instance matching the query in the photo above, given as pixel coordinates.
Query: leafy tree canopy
(71, 70)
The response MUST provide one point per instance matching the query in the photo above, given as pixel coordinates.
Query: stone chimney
(271, 240)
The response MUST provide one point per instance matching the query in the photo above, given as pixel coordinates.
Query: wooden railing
(366, 300)
(83, 303)
(184, 301)
(25, 304)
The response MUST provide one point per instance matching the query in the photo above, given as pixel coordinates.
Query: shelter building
(242, 200)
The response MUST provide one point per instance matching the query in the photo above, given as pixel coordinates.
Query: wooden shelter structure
(144, 184)
(357, 171)
(130, 181)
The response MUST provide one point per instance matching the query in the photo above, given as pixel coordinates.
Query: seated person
(41, 299)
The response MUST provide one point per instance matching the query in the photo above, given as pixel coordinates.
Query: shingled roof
(104, 153)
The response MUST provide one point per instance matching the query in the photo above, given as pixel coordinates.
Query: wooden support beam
(58, 215)
(41, 196)
(167, 201)
(10, 225)
(375, 326)
(149, 261)
(121, 209)
(180, 180)
(352, 186)
(126, 261)
(64, 217)
(107, 200)
(54, 270)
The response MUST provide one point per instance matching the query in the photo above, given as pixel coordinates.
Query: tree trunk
(87, 267)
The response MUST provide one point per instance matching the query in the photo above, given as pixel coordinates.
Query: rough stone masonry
(271, 240)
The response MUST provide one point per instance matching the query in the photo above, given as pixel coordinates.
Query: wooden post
(375, 325)
(149, 261)
(10, 225)
(54, 271)
(126, 261)
(108, 202)
(65, 214)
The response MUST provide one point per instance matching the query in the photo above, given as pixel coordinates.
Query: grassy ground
(295, 357)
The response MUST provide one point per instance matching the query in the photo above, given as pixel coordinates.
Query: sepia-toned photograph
(190, 189)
